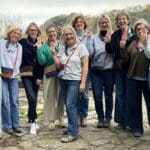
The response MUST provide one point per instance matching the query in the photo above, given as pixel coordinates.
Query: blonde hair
(104, 16)
(12, 29)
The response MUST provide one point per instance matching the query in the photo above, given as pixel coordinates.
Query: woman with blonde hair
(11, 57)
(102, 71)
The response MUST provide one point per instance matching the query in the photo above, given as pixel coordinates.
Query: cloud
(40, 10)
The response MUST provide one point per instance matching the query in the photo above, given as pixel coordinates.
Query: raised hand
(39, 42)
(52, 45)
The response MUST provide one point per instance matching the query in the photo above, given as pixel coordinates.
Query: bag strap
(70, 57)
(16, 58)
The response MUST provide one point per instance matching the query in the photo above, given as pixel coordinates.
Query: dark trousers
(120, 100)
(103, 80)
(31, 89)
(135, 88)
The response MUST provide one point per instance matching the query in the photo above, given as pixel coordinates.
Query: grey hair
(73, 31)
(142, 21)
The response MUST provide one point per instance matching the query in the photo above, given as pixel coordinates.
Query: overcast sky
(41, 10)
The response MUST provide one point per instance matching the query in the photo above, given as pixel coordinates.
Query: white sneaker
(37, 126)
(33, 128)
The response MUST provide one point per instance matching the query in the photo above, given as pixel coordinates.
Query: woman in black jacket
(119, 42)
(31, 72)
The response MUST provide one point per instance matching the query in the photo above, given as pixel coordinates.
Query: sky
(41, 10)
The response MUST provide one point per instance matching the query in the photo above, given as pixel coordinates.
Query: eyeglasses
(33, 30)
(68, 34)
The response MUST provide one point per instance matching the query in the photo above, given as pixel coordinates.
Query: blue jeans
(31, 89)
(70, 92)
(135, 88)
(120, 101)
(103, 80)
(83, 101)
(10, 106)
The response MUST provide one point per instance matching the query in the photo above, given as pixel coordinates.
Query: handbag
(7, 73)
(51, 71)
(26, 71)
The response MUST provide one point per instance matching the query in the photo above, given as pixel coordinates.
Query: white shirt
(8, 56)
(73, 70)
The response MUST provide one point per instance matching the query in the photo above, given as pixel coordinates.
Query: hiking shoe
(17, 130)
(8, 131)
(68, 139)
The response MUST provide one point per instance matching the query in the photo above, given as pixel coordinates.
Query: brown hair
(122, 14)
(74, 21)
(30, 25)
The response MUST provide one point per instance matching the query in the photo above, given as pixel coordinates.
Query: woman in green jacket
(53, 103)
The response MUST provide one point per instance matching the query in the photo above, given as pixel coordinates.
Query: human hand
(82, 87)
(107, 38)
(39, 82)
(39, 42)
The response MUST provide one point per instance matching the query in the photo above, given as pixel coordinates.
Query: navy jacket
(29, 57)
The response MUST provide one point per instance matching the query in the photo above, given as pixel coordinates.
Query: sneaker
(83, 122)
(33, 128)
(51, 125)
(100, 124)
(17, 130)
(137, 134)
(8, 131)
(68, 139)
(107, 123)
(61, 123)
(37, 126)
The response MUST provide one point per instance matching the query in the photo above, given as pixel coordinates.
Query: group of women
(66, 63)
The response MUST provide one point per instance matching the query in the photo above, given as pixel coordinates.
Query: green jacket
(44, 54)
(138, 62)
